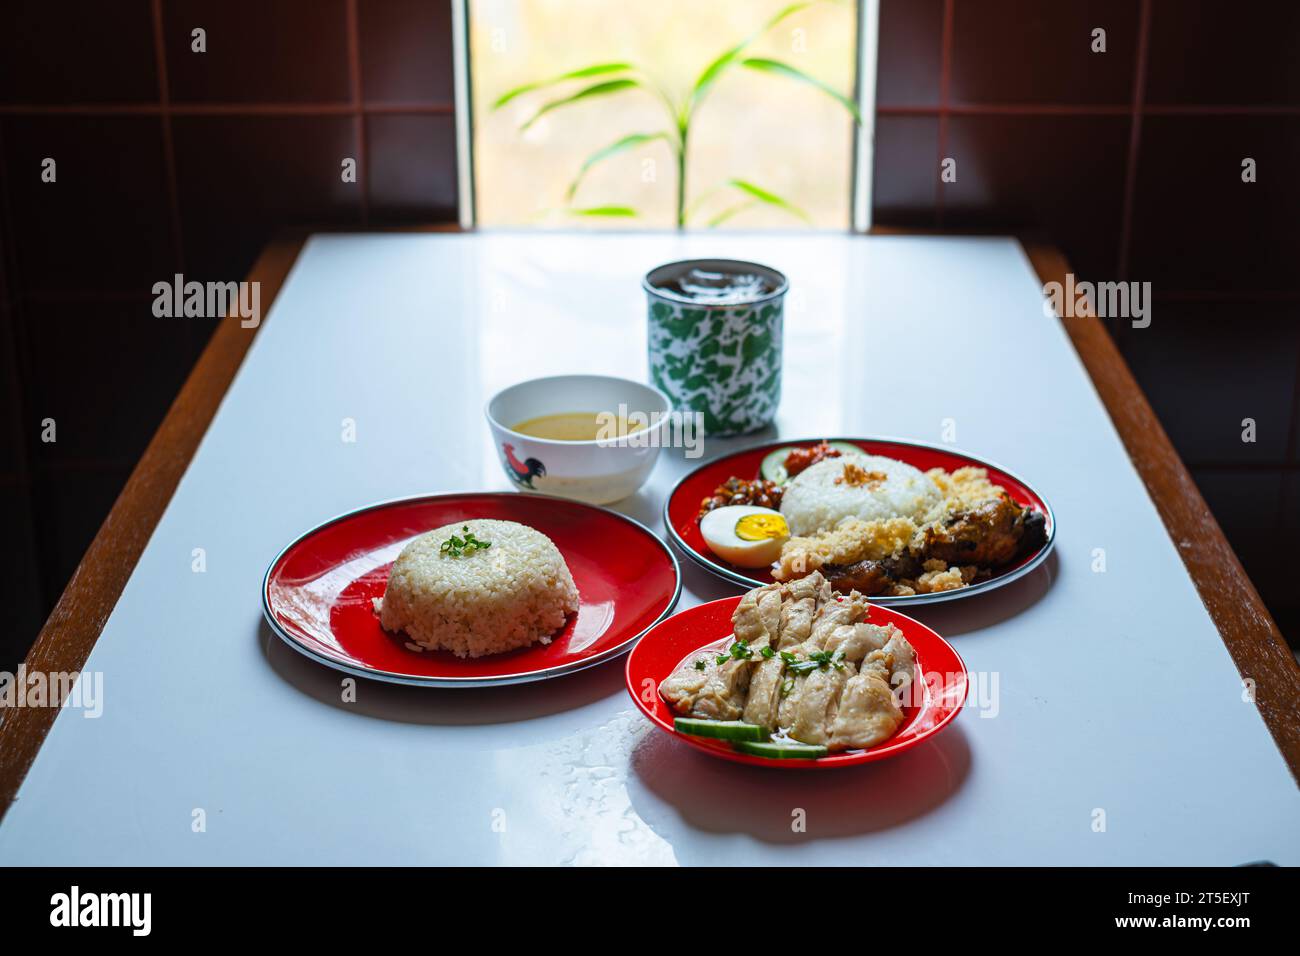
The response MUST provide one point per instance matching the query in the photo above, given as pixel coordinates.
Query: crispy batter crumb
(857, 476)
(850, 541)
(932, 581)
(854, 540)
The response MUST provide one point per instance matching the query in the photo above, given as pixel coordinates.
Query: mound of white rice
(497, 599)
(821, 496)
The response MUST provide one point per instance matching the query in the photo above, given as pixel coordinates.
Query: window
(770, 134)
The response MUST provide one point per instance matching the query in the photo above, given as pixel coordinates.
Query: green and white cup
(718, 352)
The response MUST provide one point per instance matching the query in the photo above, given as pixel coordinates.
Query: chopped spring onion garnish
(458, 547)
(738, 651)
(817, 660)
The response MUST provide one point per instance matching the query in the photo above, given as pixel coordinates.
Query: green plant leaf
(613, 149)
(730, 211)
(718, 66)
(600, 89)
(778, 68)
(613, 211)
(771, 198)
(594, 70)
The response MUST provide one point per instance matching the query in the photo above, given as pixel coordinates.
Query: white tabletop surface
(1119, 734)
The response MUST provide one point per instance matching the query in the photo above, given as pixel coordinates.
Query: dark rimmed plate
(681, 509)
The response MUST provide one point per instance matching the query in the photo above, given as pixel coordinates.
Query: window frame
(864, 94)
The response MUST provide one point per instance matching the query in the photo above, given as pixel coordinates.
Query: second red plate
(318, 593)
(937, 693)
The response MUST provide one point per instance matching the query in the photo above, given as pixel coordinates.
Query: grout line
(1230, 297)
(433, 108)
(945, 82)
(98, 464)
(1228, 465)
(1076, 109)
(1293, 422)
(358, 113)
(1135, 138)
(348, 108)
(1008, 109)
(409, 109)
(71, 297)
(1295, 411)
(21, 386)
(1211, 109)
(169, 144)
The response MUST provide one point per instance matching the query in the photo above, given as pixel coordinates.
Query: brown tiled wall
(1130, 160)
(169, 160)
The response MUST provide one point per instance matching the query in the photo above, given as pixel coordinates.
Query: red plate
(938, 689)
(317, 594)
(683, 505)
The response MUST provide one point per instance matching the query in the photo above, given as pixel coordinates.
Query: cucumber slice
(785, 750)
(734, 730)
(773, 467)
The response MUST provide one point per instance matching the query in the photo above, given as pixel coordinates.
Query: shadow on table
(454, 706)
(717, 796)
(980, 611)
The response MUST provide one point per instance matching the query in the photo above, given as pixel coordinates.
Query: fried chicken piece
(989, 535)
(1035, 535)
(865, 577)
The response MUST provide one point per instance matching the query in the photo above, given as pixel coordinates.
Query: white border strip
(864, 151)
(464, 102)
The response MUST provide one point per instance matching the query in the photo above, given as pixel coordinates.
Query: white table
(1115, 693)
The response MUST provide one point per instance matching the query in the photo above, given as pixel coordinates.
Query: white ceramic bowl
(596, 472)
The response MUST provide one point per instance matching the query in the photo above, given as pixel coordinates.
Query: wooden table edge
(66, 640)
(73, 627)
(1269, 672)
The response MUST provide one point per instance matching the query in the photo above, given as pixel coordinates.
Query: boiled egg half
(745, 535)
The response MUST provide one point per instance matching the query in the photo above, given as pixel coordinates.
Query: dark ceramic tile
(68, 508)
(242, 179)
(412, 168)
(106, 372)
(22, 604)
(405, 50)
(1286, 613)
(1062, 176)
(1210, 52)
(1291, 505)
(1207, 367)
(909, 54)
(1028, 51)
(77, 51)
(1246, 506)
(289, 51)
(1196, 224)
(12, 455)
(103, 223)
(905, 171)
(1284, 603)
